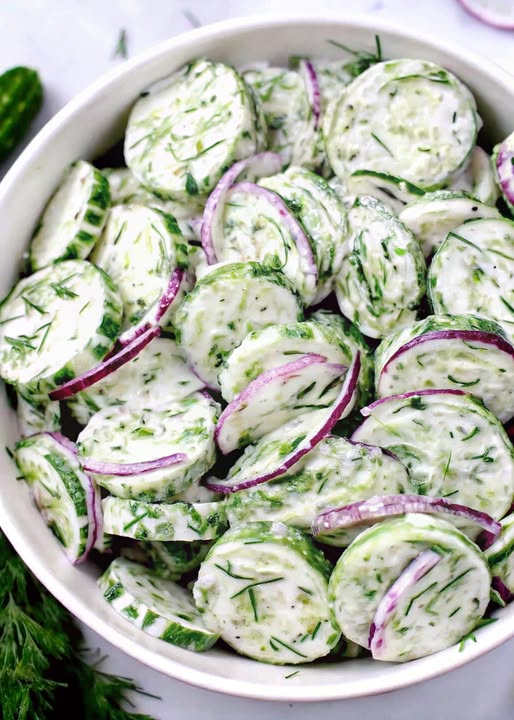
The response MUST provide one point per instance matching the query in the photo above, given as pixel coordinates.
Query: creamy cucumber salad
(264, 371)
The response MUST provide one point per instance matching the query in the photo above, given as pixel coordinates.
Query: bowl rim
(407, 674)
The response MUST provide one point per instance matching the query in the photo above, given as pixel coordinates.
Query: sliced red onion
(505, 168)
(64, 441)
(263, 385)
(502, 590)
(310, 76)
(95, 517)
(479, 336)
(169, 295)
(293, 226)
(412, 574)
(106, 367)
(498, 18)
(260, 165)
(366, 411)
(99, 467)
(339, 409)
(382, 507)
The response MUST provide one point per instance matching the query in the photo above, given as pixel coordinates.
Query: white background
(72, 42)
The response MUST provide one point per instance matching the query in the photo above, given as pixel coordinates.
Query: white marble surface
(72, 42)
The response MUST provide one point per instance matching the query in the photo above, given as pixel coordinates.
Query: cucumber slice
(335, 473)
(139, 249)
(126, 190)
(159, 607)
(434, 215)
(185, 131)
(56, 324)
(224, 306)
(394, 192)
(436, 612)
(276, 345)
(172, 560)
(451, 445)
(126, 434)
(275, 397)
(73, 219)
(323, 216)
(257, 226)
(500, 555)
(473, 272)
(350, 341)
(382, 279)
(62, 492)
(408, 118)
(477, 178)
(186, 522)
(249, 573)
(441, 351)
(37, 414)
(288, 114)
(155, 377)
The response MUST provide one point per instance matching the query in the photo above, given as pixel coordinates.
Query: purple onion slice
(366, 411)
(106, 367)
(325, 421)
(100, 467)
(176, 279)
(268, 401)
(310, 76)
(260, 165)
(378, 508)
(502, 590)
(498, 15)
(417, 569)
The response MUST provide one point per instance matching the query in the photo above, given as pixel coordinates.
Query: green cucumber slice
(323, 216)
(408, 118)
(156, 376)
(139, 249)
(437, 612)
(350, 340)
(433, 216)
(335, 473)
(185, 131)
(172, 560)
(461, 351)
(478, 178)
(288, 114)
(224, 306)
(159, 607)
(249, 573)
(178, 521)
(273, 346)
(56, 324)
(451, 445)
(473, 272)
(500, 555)
(129, 434)
(37, 414)
(382, 278)
(62, 492)
(73, 218)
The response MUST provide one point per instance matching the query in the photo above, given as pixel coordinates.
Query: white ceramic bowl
(86, 127)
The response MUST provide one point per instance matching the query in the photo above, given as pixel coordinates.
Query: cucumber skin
(21, 94)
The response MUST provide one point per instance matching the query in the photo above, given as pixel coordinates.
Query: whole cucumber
(21, 96)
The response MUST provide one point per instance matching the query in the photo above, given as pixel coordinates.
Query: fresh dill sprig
(120, 49)
(43, 670)
(363, 59)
